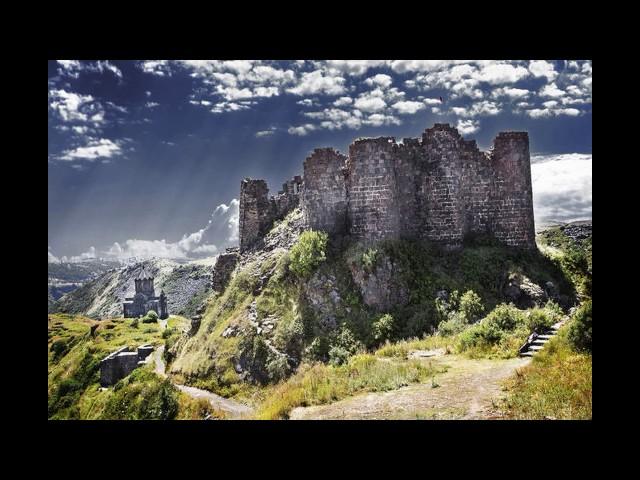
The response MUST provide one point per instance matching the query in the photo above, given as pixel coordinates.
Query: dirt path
(465, 391)
(233, 409)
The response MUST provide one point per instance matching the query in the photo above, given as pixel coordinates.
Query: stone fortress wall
(439, 187)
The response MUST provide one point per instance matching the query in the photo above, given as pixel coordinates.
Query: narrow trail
(233, 409)
(467, 390)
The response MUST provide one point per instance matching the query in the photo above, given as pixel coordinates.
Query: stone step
(539, 342)
(536, 347)
(545, 337)
(527, 354)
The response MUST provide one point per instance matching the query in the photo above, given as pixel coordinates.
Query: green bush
(382, 329)
(344, 345)
(456, 324)
(505, 317)
(471, 306)
(134, 323)
(308, 253)
(542, 319)
(278, 368)
(580, 329)
(168, 332)
(150, 317)
(142, 396)
(369, 259)
(59, 348)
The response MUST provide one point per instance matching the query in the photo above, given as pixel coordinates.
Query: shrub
(167, 332)
(59, 348)
(580, 329)
(308, 253)
(538, 320)
(505, 317)
(150, 317)
(454, 325)
(369, 259)
(134, 323)
(382, 328)
(318, 349)
(344, 345)
(471, 306)
(278, 368)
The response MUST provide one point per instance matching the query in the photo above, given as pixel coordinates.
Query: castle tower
(511, 200)
(324, 193)
(255, 210)
(371, 189)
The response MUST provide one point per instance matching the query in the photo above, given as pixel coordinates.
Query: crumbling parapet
(258, 211)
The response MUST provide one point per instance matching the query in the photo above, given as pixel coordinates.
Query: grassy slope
(73, 370)
(206, 360)
(556, 385)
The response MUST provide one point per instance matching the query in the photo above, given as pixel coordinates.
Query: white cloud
(316, 83)
(380, 80)
(53, 258)
(369, 103)
(266, 133)
(378, 119)
(343, 101)
(354, 67)
(477, 109)
(551, 90)
(156, 67)
(466, 127)
(408, 107)
(562, 187)
(95, 149)
(542, 68)
(432, 101)
(307, 102)
(301, 130)
(69, 105)
(539, 113)
(151, 104)
(510, 92)
(221, 229)
(495, 74)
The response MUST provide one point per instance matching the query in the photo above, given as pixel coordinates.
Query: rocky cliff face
(185, 286)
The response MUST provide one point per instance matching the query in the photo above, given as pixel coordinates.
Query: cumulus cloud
(379, 80)
(95, 149)
(52, 257)
(542, 68)
(220, 231)
(551, 90)
(318, 82)
(354, 67)
(266, 133)
(408, 107)
(467, 127)
(301, 130)
(562, 187)
(343, 101)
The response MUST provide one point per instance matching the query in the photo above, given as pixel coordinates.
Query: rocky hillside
(300, 297)
(186, 286)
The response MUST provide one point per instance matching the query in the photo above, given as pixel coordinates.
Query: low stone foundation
(121, 363)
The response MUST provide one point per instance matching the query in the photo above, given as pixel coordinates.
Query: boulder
(523, 293)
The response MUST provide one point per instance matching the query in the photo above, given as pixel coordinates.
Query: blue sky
(145, 158)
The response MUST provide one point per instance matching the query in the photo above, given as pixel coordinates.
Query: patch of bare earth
(467, 390)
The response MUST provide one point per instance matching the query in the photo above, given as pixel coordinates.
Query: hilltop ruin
(439, 187)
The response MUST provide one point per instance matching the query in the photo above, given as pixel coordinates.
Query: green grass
(319, 383)
(556, 385)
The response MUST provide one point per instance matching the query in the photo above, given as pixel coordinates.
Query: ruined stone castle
(145, 298)
(439, 187)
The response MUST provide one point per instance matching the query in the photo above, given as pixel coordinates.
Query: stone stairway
(536, 342)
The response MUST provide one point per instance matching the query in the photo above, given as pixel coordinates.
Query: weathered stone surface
(225, 264)
(145, 298)
(121, 363)
(523, 292)
(440, 187)
(381, 289)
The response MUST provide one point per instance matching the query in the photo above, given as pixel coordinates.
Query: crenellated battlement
(439, 187)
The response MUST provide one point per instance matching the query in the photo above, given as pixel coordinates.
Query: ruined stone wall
(121, 363)
(440, 188)
(372, 204)
(225, 264)
(258, 211)
(324, 193)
